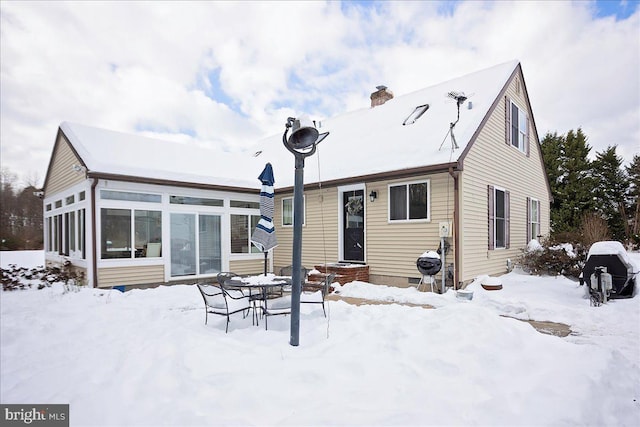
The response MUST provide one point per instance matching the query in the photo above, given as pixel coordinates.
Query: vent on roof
(380, 96)
(416, 114)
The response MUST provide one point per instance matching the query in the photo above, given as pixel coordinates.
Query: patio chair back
(218, 300)
(224, 276)
(288, 272)
(312, 294)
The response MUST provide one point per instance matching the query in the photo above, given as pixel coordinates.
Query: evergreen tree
(610, 191)
(573, 197)
(552, 146)
(633, 197)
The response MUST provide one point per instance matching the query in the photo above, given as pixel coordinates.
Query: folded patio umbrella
(264, 236)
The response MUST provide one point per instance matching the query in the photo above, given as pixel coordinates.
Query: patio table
(262, 283)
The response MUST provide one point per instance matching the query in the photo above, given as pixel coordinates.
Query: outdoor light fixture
(302, 143)
(304, 136)
(373, 195)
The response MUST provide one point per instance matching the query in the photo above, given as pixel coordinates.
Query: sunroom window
(128, 233)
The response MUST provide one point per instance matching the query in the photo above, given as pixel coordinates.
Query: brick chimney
(380, 96)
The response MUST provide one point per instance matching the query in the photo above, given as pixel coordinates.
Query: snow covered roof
(374, 140)
(363, 142)
(107, 152)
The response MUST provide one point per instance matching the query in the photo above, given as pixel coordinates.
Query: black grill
(428, 266)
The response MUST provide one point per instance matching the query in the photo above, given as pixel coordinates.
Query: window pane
(418, 201)
(398, 202)
(55, 233)
(243, 204)
(239, 234)
(197, 201)
(254, 222)
(82, 232)
(183, 245)
(210, 255)
(72, 231)
(148, 228)
(65, 240)
(500, 233)
(500, 219)
(116, 233)
(48, 231)
(131, 197)
(287, 211)
(514, 126)
(499, 204)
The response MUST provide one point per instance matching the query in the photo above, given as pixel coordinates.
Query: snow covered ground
(145, 357)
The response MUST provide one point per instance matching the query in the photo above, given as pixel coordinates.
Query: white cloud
(142, 65)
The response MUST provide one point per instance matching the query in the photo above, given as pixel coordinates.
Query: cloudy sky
(229, 73)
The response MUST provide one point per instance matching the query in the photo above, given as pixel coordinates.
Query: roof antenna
(460, 97)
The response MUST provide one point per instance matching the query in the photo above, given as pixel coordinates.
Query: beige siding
(391, 248)
(491, 161)
(61, 174)
(319, 233)
(134, 275)
(243, 267)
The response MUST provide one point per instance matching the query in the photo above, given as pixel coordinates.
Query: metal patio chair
(224, 302)
(315, 293)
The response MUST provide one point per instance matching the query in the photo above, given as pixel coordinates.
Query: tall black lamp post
(302, 143)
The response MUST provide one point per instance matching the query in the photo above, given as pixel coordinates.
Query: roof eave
(380, 176)
(169, 182)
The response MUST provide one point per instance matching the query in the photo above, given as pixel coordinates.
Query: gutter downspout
(456, 226)
(94, 245)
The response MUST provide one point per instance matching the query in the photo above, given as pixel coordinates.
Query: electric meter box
(445, 228)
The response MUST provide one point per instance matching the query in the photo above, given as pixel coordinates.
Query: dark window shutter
(491, 208)
(507, 222)
(507, 120)
(528, 220)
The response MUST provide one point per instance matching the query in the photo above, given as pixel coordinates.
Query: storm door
(353, 225)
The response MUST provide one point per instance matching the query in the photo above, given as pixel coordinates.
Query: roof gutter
(400, 173)
(169, 182)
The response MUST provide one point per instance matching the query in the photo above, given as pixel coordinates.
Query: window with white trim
(126, 233)
(409, 201)
(287, 211)
(242, 227)
(499, 221)
(517, 126)
(533, 219)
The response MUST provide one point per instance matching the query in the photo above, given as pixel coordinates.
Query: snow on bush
(560, 259)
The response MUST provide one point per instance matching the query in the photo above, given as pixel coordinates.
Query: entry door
(353, 225)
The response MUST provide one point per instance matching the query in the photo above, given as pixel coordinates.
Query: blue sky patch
(215, 91)
(621, 9)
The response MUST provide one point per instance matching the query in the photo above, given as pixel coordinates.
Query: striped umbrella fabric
(264, 236)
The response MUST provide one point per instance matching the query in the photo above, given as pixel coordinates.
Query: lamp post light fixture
(302, 143)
